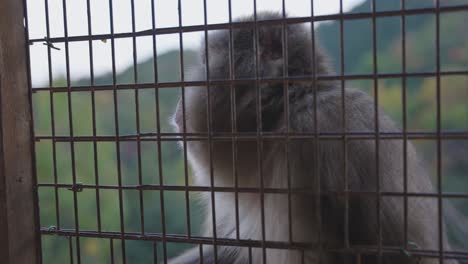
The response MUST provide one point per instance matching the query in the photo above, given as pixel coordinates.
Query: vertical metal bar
(70, 248)
(137, 112)
(316, 161)
(210, 134)
(344, 128)
(259, 132)
(284, 29)
(377, 129)
(405, 126)
(93, 109)
(117, 142)
(233, 120)
(439, 140)
(70, 125)
(52, 118)
(111, 245)
(358, 256)
(201, 253)
(155, 252)
(184, 126)
(19, 218)
(158, 134)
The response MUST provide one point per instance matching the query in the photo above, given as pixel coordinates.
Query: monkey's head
(251, 51)
(247, 53)
(265, 50)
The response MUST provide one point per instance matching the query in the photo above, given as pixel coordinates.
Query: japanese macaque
(322, 192)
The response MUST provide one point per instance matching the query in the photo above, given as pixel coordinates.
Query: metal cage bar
(12, 38)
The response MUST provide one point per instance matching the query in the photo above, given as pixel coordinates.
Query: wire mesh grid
(127, 203)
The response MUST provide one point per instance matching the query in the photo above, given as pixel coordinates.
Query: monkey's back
(355, 168)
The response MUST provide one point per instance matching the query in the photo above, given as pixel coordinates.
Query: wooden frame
(19, 234)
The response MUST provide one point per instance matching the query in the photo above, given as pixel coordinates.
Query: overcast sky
(166, 16)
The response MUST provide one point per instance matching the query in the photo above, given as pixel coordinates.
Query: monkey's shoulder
(330, 108)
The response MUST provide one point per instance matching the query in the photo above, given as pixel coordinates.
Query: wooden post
(19, 230)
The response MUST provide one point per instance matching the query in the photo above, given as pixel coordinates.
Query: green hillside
(421, 115)
(358, 42)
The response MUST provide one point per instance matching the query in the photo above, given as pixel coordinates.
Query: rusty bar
(377, 130)
(292, 79)
(343, 127)
(71, 131)
(52, 117)
(259, 139)
(70, 248)
(137, 112)
(206, 27)
(286, 116)
(316, 161)
(184, 121)
(93, 110)
(405, 127)
(158, 135)
(117, 132)
(210, 131)
(355, 249)
(250, 190)
(201, 253)
(233, 120)
(439, 138)
(155, 252)
(111, 247)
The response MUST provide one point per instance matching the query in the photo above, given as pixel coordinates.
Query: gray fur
(360, 157)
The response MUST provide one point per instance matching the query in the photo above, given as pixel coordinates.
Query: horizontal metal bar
(292, 79)
(185, 29)
(354, 249)
(156, 187)
(449, 135)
